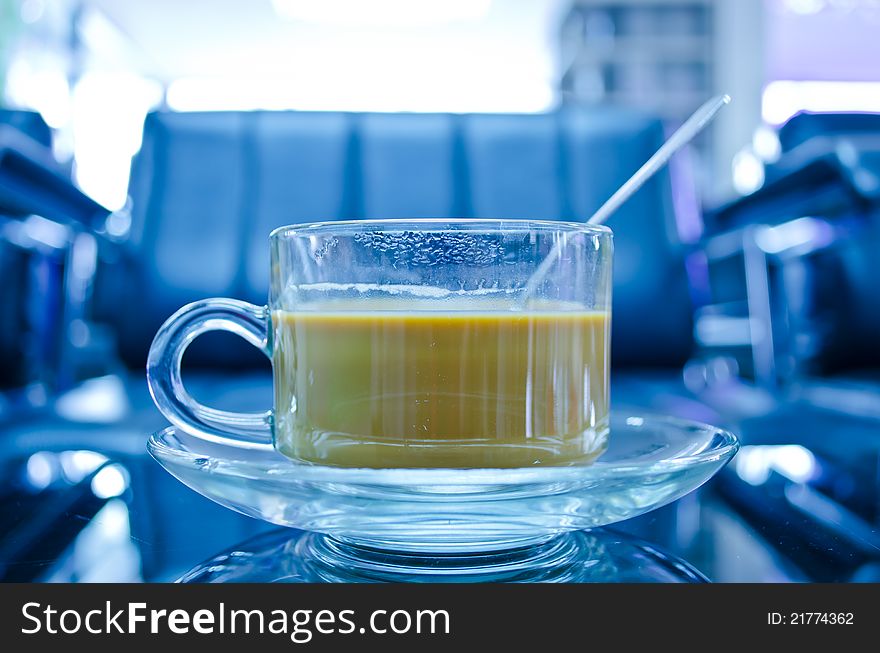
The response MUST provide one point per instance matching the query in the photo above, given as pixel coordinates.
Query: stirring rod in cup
(682, 136)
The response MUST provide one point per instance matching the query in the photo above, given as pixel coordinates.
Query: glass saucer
(293, 556)
(650, 462)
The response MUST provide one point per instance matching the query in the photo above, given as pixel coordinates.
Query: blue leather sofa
(207, 188)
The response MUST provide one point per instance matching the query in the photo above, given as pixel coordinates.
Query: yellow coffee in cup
(365, 385)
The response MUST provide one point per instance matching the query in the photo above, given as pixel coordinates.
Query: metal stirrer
(682, 136)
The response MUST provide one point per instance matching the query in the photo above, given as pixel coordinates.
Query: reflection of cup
(408, 343)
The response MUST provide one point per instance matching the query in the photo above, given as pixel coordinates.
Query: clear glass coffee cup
(416, 344)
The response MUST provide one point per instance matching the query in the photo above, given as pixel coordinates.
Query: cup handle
(248, 430)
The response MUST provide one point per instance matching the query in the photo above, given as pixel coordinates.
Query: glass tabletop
(292, 556)
(85, 502)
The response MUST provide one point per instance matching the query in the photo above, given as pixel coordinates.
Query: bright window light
(358, 75)
(805, 7)
(42, 88)
(783, 99)
(505, 63)
(108, 112)
(382, 12)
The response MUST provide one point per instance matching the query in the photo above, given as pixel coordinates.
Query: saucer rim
(721, 446)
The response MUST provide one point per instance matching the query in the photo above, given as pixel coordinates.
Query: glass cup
(414, 344)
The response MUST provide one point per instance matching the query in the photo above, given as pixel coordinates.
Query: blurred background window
(93, 68)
